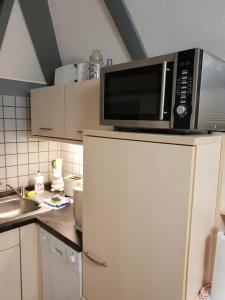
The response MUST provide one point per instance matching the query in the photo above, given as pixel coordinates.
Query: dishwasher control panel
(63, 251)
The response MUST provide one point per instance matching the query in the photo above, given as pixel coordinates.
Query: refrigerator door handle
(90, 257)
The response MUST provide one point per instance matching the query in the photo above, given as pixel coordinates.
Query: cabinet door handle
(45, 128)
(99, 263)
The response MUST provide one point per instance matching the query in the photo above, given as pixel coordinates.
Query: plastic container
(39, 183)
(94, 65)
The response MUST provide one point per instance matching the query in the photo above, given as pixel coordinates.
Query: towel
(58, 201)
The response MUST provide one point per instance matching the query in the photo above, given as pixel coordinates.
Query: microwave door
(137, 97)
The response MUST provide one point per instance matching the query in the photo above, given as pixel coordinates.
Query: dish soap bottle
(39, 182)
(94, 65)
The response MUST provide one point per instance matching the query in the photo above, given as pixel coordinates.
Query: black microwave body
(183, 90)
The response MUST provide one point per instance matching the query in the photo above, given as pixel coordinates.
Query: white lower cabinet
(10, 281)
(30, 262)
(19, 264)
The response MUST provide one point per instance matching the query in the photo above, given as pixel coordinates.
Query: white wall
(167, 26)
(18, 59)
(84, 25)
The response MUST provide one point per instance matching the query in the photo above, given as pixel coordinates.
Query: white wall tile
(43, 156)
(43, 146)
(21, 113)
(33, 146)
(1, 100)
(76, 169)
(2, 149)
(21, 124)
(53, 146)
(22, 147)
(10, 124)
(1, 112)
(8, 100)
(11, 160)
(28, 101)
(1, 125)
(31, 179)
(2, 185)
(44, 166)
(81, 171)
(22, 159)
(23, 170)
(11, 171)
(2, 173)
(21, 101)
(23, 181)
(33, 168)
(10, 136)
(2, 137)
(2, 161)
(53, 155)
(13, 182)
(45, 175)
(22, 136)
(33, 158)
(9, 112)
(10, 148)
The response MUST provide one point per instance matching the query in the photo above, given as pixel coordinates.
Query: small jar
(94, 65)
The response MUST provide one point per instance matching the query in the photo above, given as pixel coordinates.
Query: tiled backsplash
(22, 155)
(72, 156)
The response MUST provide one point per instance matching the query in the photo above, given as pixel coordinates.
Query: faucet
(21, 193)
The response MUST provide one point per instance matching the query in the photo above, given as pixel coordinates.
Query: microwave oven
(178, 91)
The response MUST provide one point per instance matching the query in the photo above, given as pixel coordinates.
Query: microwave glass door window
(133, 94)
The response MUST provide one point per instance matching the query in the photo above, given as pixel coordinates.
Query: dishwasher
(61, 269)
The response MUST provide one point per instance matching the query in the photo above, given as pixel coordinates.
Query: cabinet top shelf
(190, 140)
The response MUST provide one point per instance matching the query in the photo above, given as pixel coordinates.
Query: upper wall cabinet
(64, 111)
(81, 108)
(47, 111)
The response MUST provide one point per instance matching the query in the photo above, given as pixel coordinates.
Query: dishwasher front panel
(61, 269)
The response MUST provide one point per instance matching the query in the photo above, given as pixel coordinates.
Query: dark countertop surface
(58, 222)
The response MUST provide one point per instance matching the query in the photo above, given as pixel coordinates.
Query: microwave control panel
(184, 84)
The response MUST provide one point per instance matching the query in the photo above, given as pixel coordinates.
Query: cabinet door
(30, 262)
(136, 211)
(82, 103)
(10, 284)
(47, 111)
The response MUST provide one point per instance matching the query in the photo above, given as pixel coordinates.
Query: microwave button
(181, 110)
(184, 72)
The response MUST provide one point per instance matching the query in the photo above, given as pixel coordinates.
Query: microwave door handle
(163, 91)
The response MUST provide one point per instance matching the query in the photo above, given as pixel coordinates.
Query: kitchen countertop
(58, 222)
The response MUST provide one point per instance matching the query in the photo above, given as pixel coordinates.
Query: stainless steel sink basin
(11, 208)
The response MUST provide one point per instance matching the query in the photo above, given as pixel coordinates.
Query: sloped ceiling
(18, 59)
(164, 26)
(167, 26)
(84, 25)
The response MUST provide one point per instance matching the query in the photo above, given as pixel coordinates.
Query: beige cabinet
(47, 111)
(10, 282)
(148, 214)
(64, 111)
(82, 104)
(30, 262)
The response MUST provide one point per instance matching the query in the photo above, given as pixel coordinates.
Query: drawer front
(9, 239)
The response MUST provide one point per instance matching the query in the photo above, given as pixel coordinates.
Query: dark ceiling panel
(5, 11)
(39, 22)
(126, 28)
(17, 88)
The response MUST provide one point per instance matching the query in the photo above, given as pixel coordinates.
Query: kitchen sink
(14, 207)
